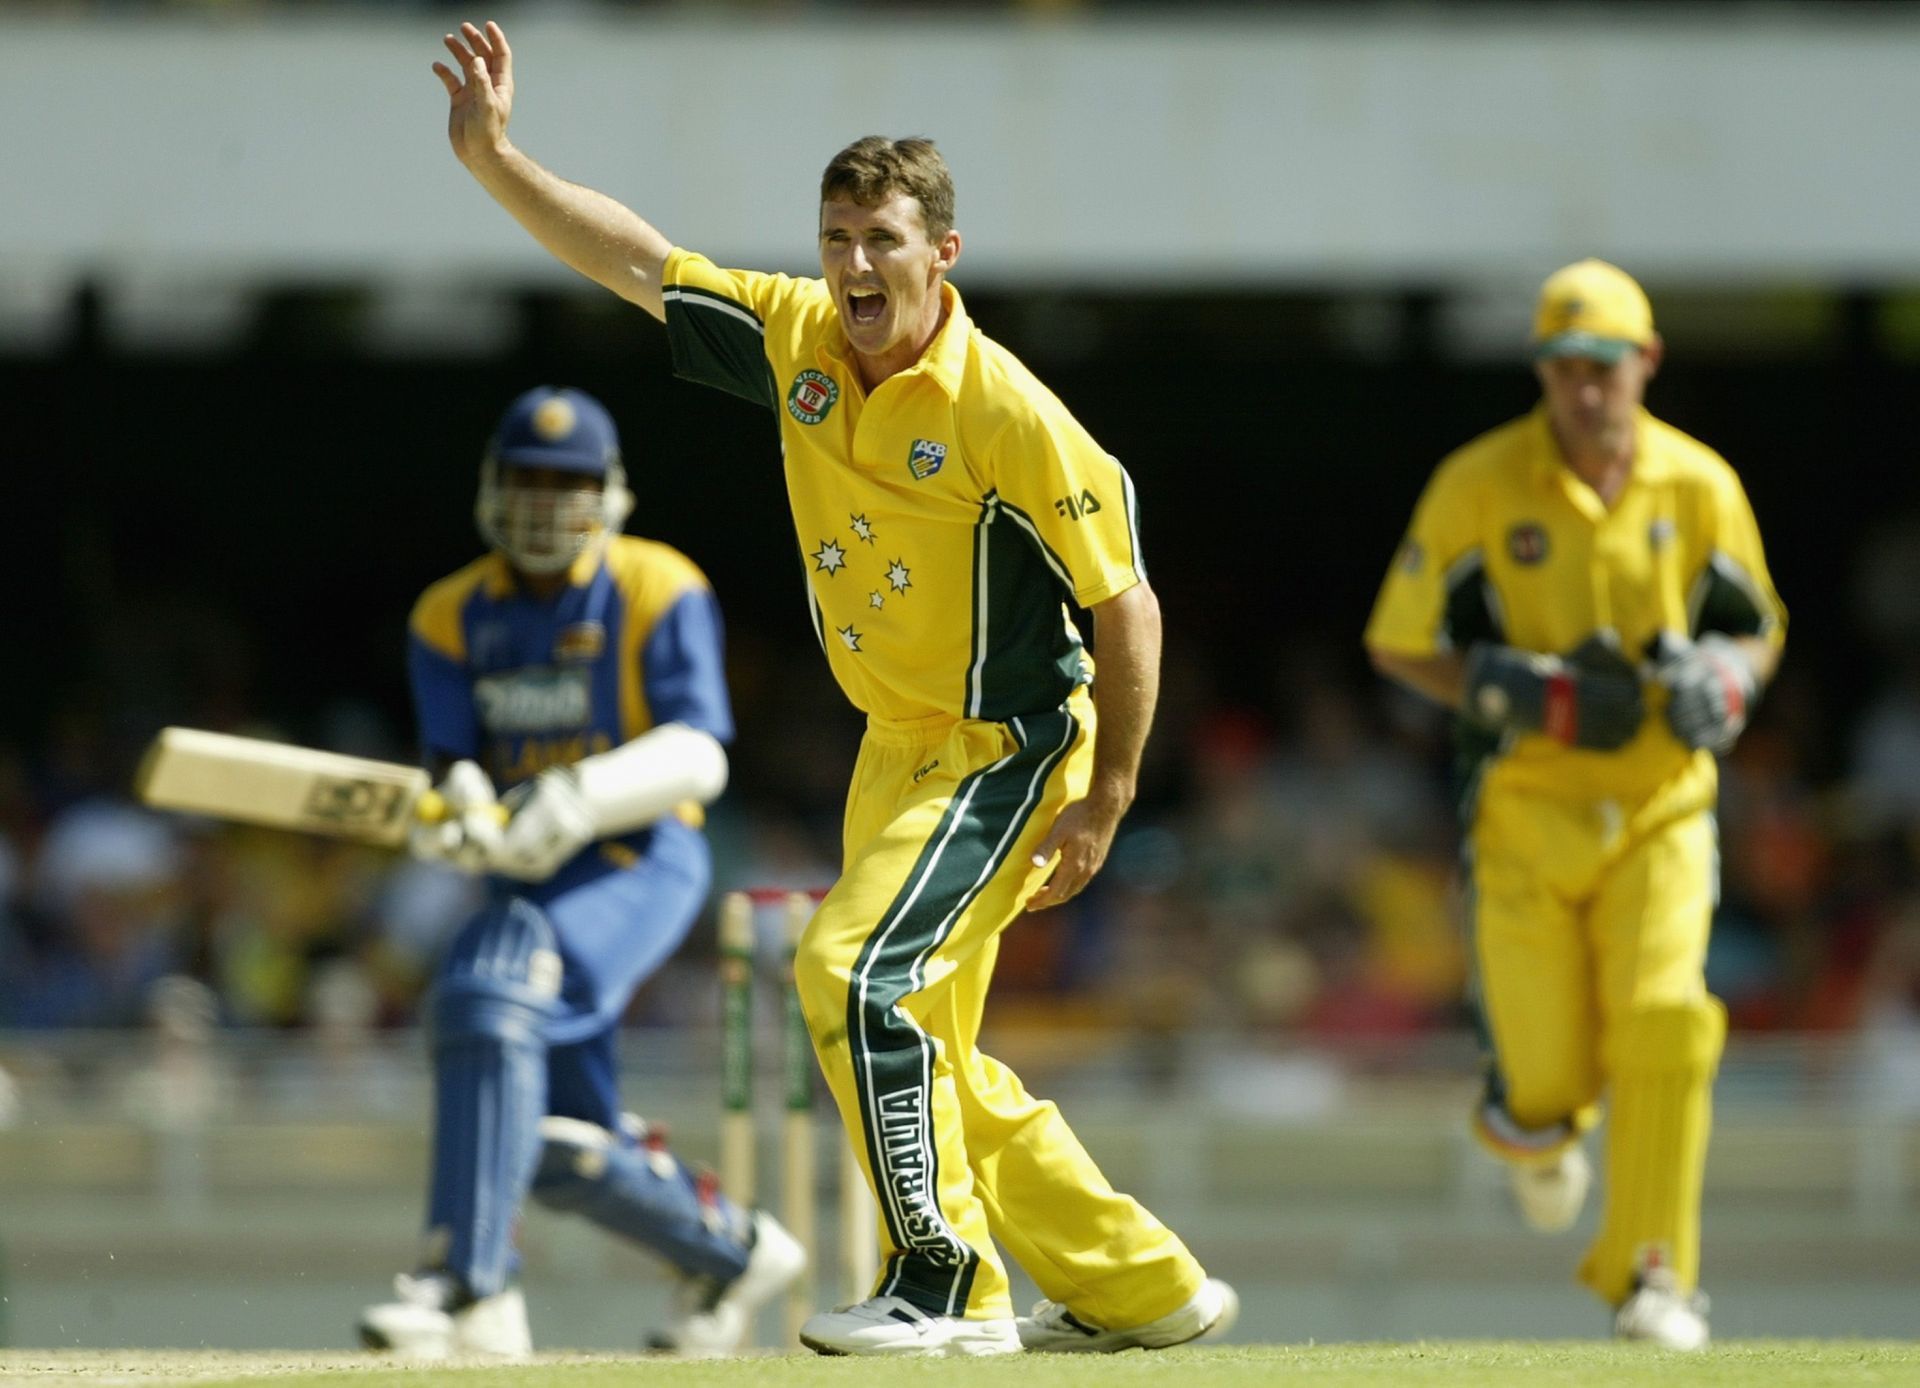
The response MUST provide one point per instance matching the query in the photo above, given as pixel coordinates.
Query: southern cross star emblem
(863, 528)
(897, 577)
(849, 635)
(874, 599)
(829, 558)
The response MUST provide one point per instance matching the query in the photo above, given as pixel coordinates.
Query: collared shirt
(519, 683)
(944, 521)
(1508, 544)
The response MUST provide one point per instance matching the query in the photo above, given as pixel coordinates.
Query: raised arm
(585, 230)
(1126, 633)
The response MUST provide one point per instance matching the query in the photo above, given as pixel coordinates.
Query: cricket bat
(284, 787)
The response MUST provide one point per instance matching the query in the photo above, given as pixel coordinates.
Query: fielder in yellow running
(948, 507)
(1585, 586)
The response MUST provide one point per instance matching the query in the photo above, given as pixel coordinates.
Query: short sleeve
(1437, 574)
(683, 666)
(442, 703)
(1734, 593)
(716, 324)
(1073, 498)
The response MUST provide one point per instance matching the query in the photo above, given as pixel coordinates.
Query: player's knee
(573, 1162)
(501, 979)
(1537, 1096)
(1549, 1108)
(1533, 1123)
(822, 984)
(1663, 1038)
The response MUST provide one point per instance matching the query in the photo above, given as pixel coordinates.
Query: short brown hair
(873, 169)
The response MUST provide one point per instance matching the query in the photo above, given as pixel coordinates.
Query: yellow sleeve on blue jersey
(717, 323)
(672, 662)
(437, 665)
(1072, 495)
(1438, 559)
(437, 616)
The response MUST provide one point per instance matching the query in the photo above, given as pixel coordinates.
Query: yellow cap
(1591, 309)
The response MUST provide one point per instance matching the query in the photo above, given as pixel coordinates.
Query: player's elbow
(707, 766)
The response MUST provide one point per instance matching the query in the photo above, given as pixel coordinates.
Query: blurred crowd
(1288, 873)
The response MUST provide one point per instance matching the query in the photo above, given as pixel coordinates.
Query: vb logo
(1074, 507)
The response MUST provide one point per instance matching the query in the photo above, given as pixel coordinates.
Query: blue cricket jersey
(517, 684)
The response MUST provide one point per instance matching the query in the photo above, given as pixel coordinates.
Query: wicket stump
(799, 1182)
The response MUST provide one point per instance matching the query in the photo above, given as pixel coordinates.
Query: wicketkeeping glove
(1711, 687)
(469, 831)
(551, 821)
(1589, 698)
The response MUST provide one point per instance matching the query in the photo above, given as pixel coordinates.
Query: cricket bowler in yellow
(1585, 587)
(948, 507)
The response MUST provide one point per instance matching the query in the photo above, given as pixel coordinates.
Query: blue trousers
(526, 1012)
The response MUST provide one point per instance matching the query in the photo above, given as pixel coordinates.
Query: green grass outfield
(1495, 1364)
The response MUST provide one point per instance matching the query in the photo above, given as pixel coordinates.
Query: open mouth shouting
(866, 307)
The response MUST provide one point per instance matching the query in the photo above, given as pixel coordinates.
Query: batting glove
(1711, 687)
(551, 821)
(1590, 698)
(468, 833)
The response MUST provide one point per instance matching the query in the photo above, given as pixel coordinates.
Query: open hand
(1081, 837)
(479, 106)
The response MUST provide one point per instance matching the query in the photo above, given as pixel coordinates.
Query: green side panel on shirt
(1031, 663)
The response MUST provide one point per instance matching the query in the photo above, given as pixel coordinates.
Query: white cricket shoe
(1658, 1314)
(1053, 1329)
(890, 1325)
(712, 1318)
(1550, 1194)
(418, 1323)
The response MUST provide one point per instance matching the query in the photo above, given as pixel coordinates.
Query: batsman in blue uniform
(572, 703)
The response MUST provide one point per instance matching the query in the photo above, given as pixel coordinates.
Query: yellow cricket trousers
(943, 818)
(1590, 930)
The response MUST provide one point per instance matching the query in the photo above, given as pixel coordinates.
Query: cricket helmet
(543, 529)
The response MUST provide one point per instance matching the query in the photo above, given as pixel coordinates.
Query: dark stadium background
(305, 491)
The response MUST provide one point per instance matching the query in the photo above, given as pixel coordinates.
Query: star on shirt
(874, 599)
(897, 577)
(848, 635)
(863, 528)
(829, 558)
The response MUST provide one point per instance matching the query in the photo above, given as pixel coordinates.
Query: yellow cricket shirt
(1508, 544)
(944, 521)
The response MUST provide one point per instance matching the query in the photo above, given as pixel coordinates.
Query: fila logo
(1074, 507)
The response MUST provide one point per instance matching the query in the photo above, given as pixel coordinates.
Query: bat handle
(432, 808)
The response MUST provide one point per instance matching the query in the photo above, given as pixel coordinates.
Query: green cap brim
(1607, 350)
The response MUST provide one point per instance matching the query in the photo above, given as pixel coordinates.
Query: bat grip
(432, 808)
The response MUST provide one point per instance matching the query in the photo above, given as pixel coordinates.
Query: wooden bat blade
(280, 786)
